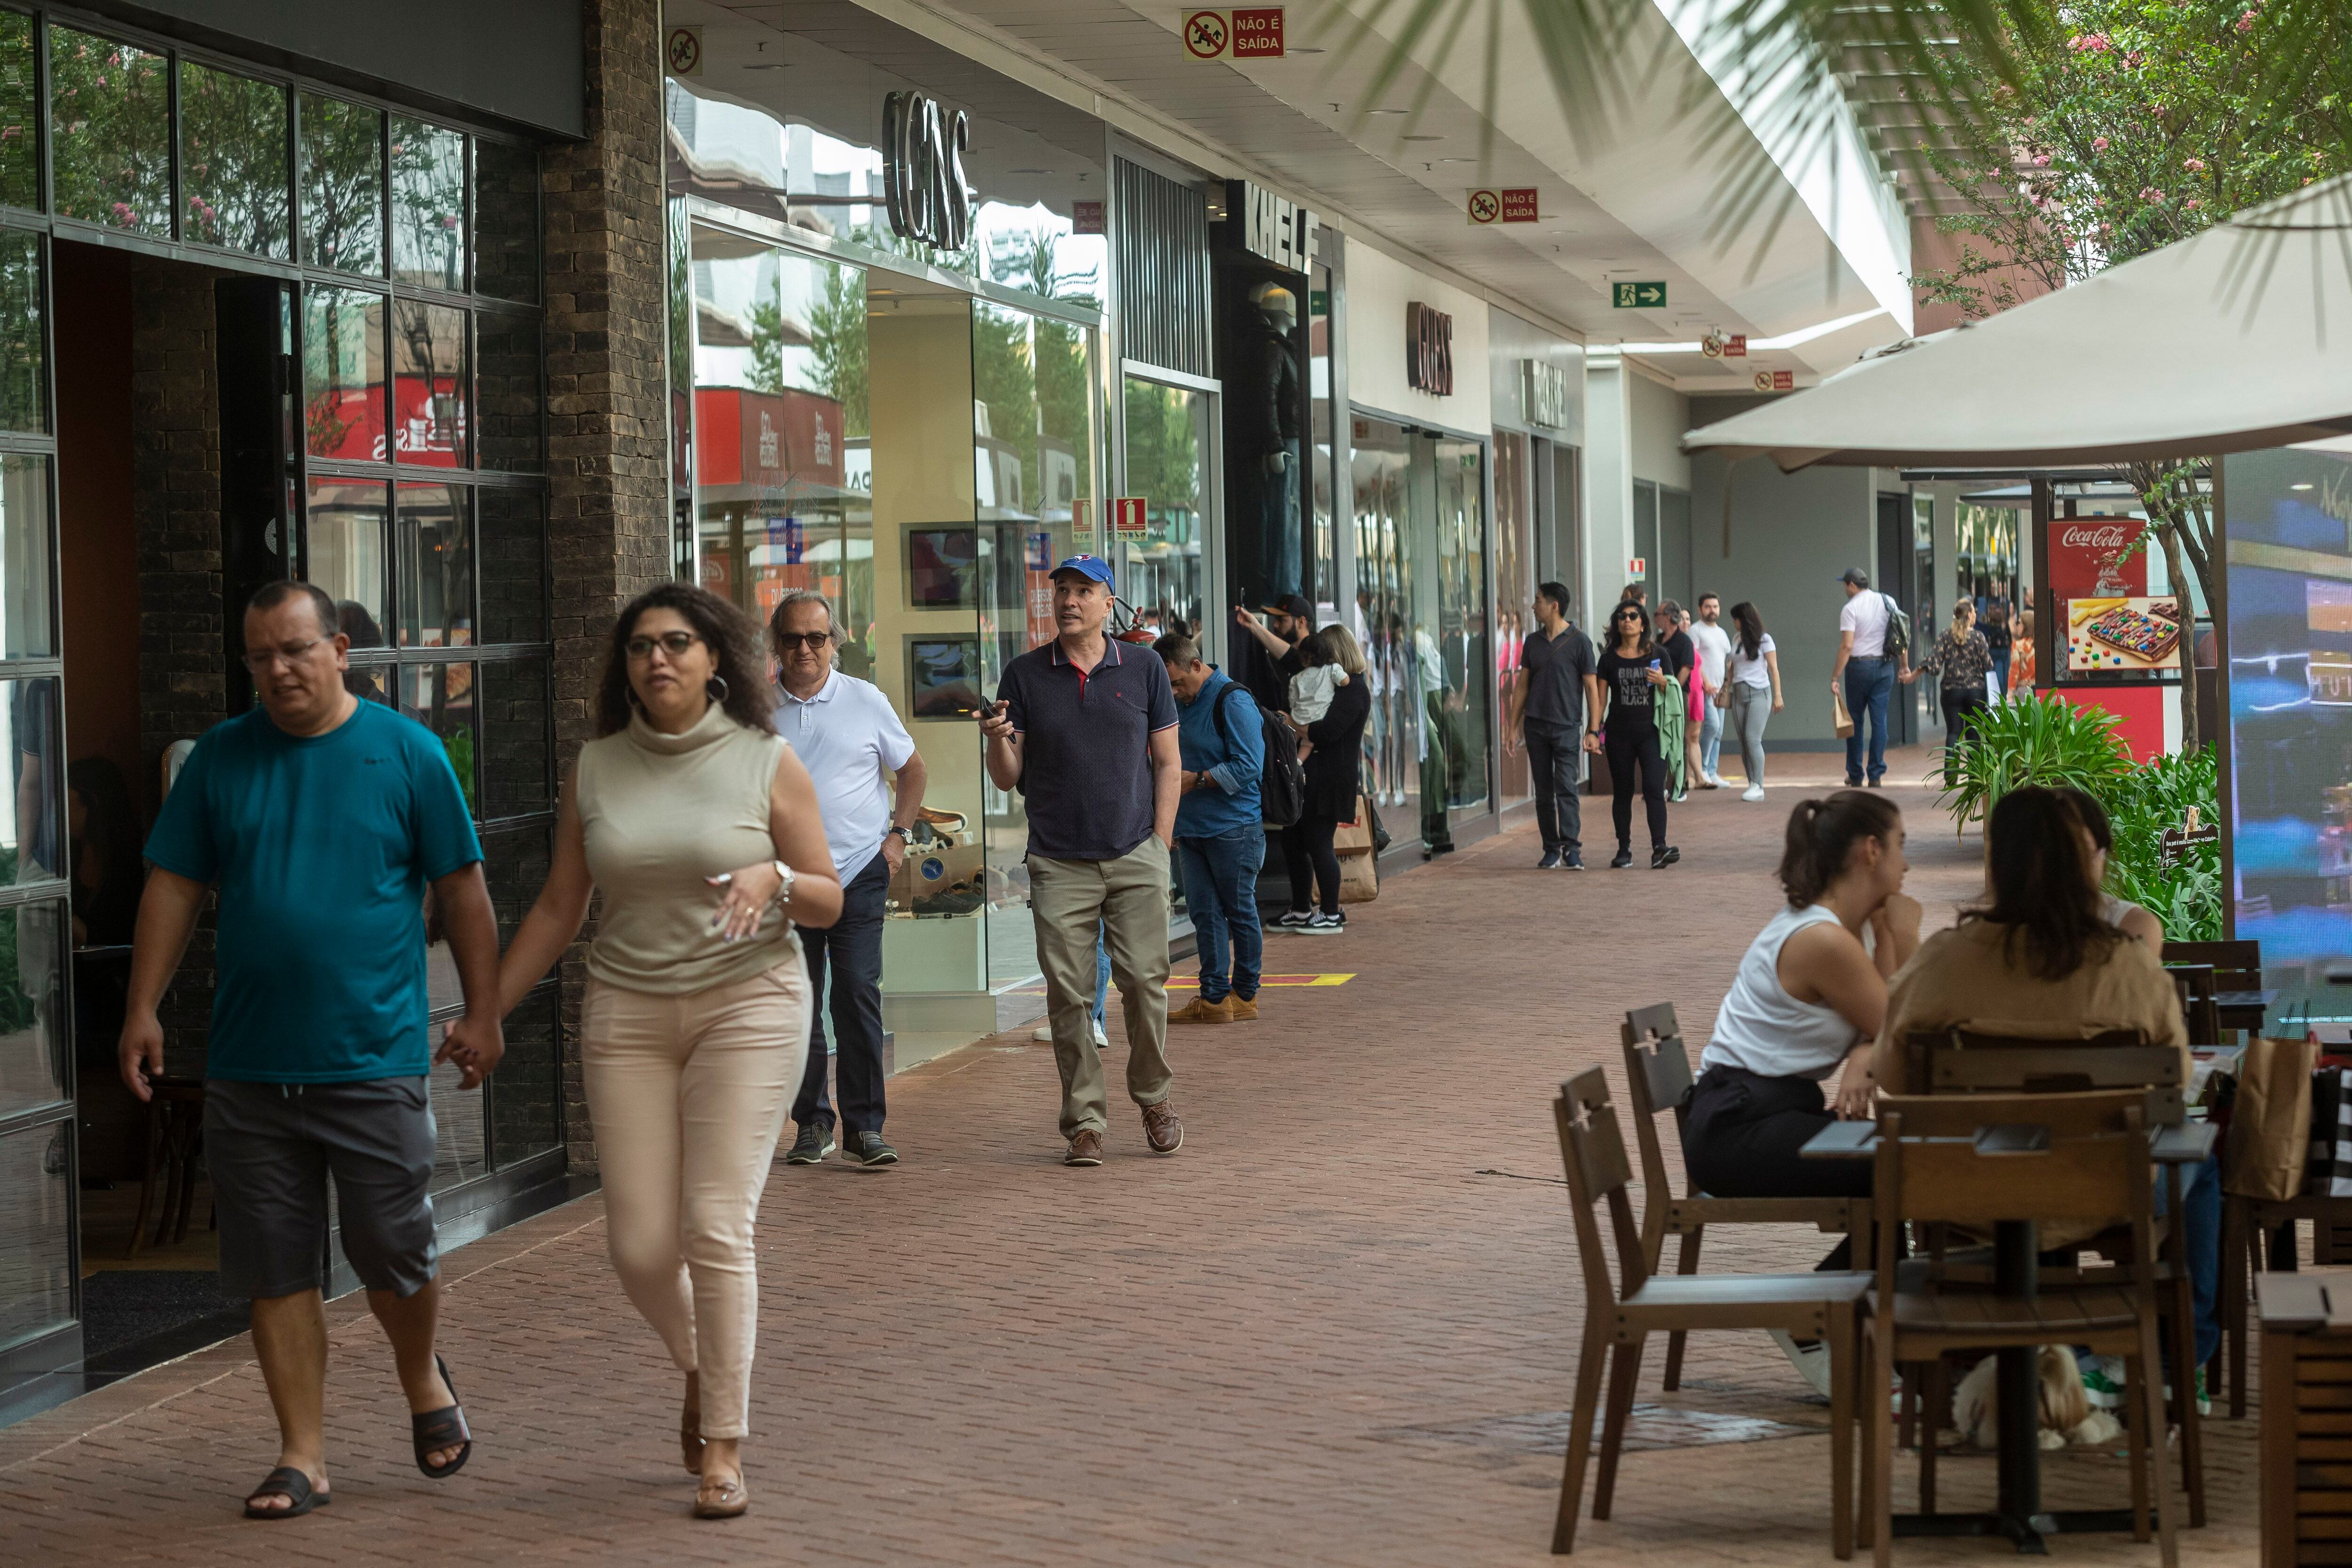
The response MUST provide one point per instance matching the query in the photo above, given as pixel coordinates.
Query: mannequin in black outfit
(1271, 400)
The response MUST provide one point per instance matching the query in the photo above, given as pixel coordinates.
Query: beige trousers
(687, 1094)
(1129, 898)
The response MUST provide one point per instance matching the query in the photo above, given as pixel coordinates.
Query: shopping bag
(1360, 878)
(2270, 1123)
(1845, 720)
(1354, 838)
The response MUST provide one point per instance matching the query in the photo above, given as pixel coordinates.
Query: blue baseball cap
(1090, 566)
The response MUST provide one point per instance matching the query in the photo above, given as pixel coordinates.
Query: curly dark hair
(733, 639)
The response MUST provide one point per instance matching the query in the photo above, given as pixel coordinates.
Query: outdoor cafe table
(2245, 1009)
(2016, 1511)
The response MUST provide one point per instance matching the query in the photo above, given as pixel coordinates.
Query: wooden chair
(2198, 990)
(1813, 1306)
(1935, 1167)
(1969, 1061)
(2238, 957)
(1657, 1077)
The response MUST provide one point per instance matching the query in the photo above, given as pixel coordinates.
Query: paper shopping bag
(1844, 719)
(2270, 1123)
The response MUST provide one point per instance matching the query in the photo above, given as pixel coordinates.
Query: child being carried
(1311, 688)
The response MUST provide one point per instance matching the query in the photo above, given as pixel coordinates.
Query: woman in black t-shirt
(1633, 676)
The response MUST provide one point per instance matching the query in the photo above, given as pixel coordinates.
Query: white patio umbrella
(2237, 338)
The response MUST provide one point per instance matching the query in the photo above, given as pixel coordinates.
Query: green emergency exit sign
(1639, 296)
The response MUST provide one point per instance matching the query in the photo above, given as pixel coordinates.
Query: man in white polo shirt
(847, 735)
(1865, 675)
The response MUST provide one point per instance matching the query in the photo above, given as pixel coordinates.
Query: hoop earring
(719, 681)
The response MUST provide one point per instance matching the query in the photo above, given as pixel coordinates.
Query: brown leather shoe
(1200, 1011)
(1162, 1129)
(1245, 1008)
(724, 1497)
(1085, 1148)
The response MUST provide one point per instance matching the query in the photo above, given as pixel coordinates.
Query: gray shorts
(270, 1147)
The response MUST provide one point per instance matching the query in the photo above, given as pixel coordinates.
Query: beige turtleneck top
(660, 814)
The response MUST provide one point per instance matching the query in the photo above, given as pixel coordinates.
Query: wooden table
(2306, 1434)
(2017, 1513)
(2245, 1009)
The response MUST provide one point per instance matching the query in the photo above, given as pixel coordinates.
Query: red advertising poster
(428, 422)
(2087, 558)
(2098, 574)
(767, 440)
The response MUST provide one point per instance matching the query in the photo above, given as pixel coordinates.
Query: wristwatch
(906, 833)
(784, 888)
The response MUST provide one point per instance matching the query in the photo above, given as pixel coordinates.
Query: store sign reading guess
(1428, 349)
(923, 145)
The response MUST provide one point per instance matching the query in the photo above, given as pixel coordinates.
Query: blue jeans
(2200, 1235)
(1221, 890)
(1102, 976)
(1869, 685)
(1710, 737)
(2000, 669)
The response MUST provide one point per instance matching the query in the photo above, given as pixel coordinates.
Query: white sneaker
(1044, 1035)
(1812, 1362)
(1101, 1039)
(1753, 791)
(1321, 924)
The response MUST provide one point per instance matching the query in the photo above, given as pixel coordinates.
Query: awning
(2238, 339)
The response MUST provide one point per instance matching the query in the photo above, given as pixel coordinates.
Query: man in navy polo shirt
(1085, 727)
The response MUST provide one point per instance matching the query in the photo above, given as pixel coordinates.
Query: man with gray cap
(1085, 728)
(1865, 673)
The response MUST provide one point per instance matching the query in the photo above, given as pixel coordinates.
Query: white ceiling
(1641, 208)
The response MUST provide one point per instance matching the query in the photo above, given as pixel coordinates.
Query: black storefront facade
(271, 304)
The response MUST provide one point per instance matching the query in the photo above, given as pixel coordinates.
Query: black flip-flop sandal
(291, 1484)
(442, 1428)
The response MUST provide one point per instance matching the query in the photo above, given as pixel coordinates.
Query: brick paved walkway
(1332, 1330)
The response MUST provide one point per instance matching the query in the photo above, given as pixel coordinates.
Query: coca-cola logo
(2110, 536)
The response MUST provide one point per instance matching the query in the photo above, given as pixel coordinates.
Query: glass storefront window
(435, 558)
(24, 359)
(343, 411)
(1169, 450)
(1515, 587)
(1456, 558)
(26, 630)
(429, 205)
(346, 531)
(233, 160)
(33, 1045)
(1323, 573)
(109, 132)
(20, 113)
(32, 840)
(429, 385)
(343, 184)
(441, 697)
(506, 221)
(36, 1231)
(461, 1152)
(526, 1094)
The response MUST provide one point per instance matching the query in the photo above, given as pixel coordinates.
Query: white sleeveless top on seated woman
(1763, 1029)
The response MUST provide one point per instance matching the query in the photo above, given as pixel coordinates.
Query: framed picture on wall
(943, 676)
(943, 568)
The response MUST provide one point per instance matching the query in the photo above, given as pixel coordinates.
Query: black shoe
(1624, 858)
(1573, 860)
(867, 1148)
(1551, 861)
(1664, 856)
(813, 1143)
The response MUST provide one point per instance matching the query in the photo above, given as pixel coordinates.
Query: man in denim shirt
(1220, 843)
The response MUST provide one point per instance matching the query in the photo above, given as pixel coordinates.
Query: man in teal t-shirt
(321, 820)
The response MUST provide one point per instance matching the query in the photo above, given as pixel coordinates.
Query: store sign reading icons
(1428, 349)
(1253, 33)
(1281, 232)
(923, 145)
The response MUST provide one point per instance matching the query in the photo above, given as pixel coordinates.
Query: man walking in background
(322, 820)
(847, 736)
(1085, 727)
(1674, 736)
(1714, 646)
(1558, 684)
(1220, 839)
(1864, 676)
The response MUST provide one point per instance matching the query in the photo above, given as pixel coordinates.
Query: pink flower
(2246, 22)
(2133, 58)
(2192, 204)
(2042, 160)
(2100, 202)
(2150, 193)
(2194, 165)
(2099, 144)
(123, 215)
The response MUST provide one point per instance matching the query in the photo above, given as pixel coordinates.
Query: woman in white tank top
(1807, 1002)
(2133, 920)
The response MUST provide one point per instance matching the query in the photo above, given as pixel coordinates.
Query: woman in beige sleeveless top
(700, 827)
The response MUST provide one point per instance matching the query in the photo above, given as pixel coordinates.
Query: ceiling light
(1388, 111)
(763, 65)
(1306, 49)
(1457, 160)
(2298, 487)
(1028, 171)
(1424, 137)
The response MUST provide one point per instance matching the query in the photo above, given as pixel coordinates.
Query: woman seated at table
(2040, 957)
(2133, 920)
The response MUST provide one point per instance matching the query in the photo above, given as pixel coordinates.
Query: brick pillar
(608, 451)
(176, 510)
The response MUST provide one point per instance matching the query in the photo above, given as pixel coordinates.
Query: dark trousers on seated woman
(1742, 1136)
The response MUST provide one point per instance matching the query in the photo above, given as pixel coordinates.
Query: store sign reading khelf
(1281, 232)
(923, 145)
(1428, 349)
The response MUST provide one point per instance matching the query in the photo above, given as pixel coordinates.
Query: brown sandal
(721, 1500)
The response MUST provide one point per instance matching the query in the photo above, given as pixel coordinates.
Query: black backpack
(1282, 784)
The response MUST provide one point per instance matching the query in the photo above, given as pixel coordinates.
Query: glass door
(1454, 614)
(1172, 464)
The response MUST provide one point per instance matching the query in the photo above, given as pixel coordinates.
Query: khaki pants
(687, 1094)
(1129, 898)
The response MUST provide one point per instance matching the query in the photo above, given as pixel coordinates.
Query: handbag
(2269, 1136)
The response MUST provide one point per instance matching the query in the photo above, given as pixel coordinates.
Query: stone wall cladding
(176, 507)
(608, 446)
